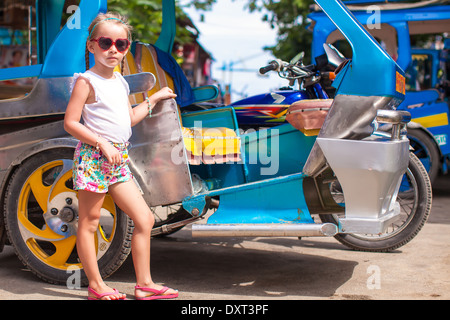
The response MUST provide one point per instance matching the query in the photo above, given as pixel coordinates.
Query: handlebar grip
(273, 65)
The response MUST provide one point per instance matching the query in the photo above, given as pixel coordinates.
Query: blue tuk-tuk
(275, 182)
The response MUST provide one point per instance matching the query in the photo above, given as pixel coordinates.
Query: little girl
(100, 97)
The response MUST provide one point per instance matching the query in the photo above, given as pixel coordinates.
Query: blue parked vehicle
(270, 182)
(392, 23)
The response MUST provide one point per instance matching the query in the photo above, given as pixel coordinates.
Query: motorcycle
(269, 109)
(367, 189)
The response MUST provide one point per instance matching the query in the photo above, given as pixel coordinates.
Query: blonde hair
(112, 17)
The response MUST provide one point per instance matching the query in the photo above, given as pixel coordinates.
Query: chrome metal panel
(350, 117)
(370, 173)
(16, 146)
(51, 95)
(264, 230)
(158, 157)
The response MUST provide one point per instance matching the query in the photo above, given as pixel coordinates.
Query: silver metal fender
(370, 173)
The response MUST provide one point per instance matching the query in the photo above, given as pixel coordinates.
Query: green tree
(146, 17)
(290, 19)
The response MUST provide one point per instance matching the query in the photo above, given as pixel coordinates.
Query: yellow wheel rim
(48, 216)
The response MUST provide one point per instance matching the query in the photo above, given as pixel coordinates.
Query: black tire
(415, 202)
(41, 221)
(426, 150)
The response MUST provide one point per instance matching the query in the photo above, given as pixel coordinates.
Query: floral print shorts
(93, 172)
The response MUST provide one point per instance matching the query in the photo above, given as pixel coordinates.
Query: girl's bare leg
(89, 205)
(128, 197)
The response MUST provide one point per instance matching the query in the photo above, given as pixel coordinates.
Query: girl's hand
(109, 151)
(138, 113)
(162, 94)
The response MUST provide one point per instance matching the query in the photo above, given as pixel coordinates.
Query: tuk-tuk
(267, 183)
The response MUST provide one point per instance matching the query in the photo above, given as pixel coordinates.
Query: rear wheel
(414, 198)
(41, 215)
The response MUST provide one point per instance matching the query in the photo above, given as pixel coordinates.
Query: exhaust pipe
(265, 230)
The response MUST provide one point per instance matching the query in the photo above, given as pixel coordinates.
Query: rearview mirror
(297, 58)
(335, 58)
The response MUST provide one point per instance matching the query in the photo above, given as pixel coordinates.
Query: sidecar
(263, 183)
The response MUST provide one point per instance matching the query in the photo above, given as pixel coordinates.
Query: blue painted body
(277, 196)
(260, 202)
(253, 191)
(354, 79)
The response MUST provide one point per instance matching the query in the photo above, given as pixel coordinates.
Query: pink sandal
(99, 296)
(156, 294)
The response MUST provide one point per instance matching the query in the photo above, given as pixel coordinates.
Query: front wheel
(414, 198)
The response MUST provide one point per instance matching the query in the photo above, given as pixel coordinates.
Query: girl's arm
(138, 113)
(80, 96)
(72, 124)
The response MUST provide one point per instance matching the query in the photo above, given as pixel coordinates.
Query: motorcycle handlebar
(273, 65)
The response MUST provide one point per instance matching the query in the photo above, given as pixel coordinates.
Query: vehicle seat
(308, 115)
(203, 145)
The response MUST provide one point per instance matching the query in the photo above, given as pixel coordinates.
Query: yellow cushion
(219, 141)
(192, 142)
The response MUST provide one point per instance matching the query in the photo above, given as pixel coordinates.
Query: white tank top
(108, 116)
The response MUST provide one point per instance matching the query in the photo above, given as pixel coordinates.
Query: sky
(235, 36)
